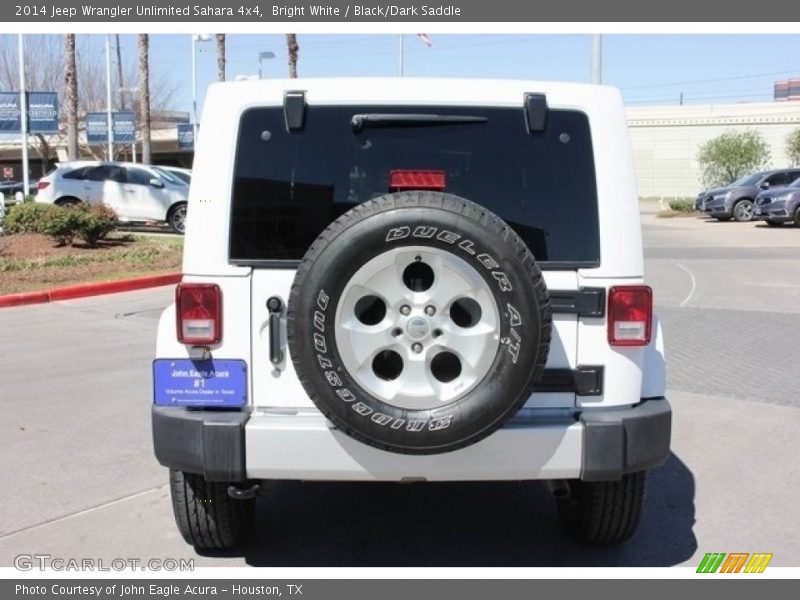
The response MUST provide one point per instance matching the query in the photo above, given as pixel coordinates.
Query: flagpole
(23, 117)
(401, 55)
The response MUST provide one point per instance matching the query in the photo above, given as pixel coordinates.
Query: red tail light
(42, 184)
(630, 315)
(198, 307)
(417, 180)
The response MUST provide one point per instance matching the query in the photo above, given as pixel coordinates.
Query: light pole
(597, 58)
(23, 116)
(109, 121)
(401, 55)
(197, 37)
(261, 57)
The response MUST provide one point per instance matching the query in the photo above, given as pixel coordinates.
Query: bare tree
(293, 52)
(221, 56)
(47, 75)
(44, 150)
(45, 68)
(71, 97)
(44, 63)
(144, 96)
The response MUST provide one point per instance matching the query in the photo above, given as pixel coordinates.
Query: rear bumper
(236, 446)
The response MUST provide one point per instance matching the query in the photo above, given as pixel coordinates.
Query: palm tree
(120, 76)
(71, 93)
(294, 49)
(144, 96)
(221, 56)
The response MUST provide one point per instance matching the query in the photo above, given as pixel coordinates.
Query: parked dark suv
(779, 206)
(738, 199)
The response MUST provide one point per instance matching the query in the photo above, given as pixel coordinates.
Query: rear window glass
(288, 187)
(168, 176)
(76, 174)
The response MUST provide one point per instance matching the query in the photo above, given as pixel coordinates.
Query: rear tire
(603, 512)
(68, 202)
(177, 218)
(206, 515)
(797, 217)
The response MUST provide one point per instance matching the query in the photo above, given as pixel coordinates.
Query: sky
(649, 69)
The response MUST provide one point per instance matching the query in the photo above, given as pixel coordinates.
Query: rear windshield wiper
(358, 122)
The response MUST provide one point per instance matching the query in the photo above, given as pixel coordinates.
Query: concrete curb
(82, 290)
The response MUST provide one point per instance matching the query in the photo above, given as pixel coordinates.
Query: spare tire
(418, 322)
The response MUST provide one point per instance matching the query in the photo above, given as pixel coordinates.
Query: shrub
(28, 217)
(793, 146)
(63, 224)
(729, 156)
(682, 205)
(96, 223)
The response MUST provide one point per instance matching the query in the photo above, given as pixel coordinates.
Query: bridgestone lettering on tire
(419, 323)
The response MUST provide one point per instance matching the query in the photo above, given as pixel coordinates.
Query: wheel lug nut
(430, 310)
(405, 310)
(416, 347)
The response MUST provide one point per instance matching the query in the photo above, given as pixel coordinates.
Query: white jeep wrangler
(411, 280)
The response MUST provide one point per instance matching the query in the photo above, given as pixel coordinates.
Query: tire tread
(465, 209)
(604, 512)
(206, 516)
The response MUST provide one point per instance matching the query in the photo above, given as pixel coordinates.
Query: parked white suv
(411, 280)
(137, 193)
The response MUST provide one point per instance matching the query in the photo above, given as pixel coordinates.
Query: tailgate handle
(275, 308)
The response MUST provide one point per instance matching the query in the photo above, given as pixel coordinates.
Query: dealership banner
(123, 127)
(42, 112)
(124, 124)
(10, 121)
(185, 136)
(96, 127)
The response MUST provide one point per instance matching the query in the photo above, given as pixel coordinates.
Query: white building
(666, 139)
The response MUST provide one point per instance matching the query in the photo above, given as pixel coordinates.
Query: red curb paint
(24, 298)
(89, 289)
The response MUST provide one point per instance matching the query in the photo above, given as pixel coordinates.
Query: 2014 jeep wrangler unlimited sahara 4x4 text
(411, 280)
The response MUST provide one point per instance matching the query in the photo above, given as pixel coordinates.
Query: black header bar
(405, 11)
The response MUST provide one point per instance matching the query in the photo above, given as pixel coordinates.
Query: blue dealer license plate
(184, 382)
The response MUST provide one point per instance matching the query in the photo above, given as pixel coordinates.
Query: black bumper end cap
(617, 442)
(204, 442)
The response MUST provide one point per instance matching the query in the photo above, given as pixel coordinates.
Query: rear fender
(654, 378)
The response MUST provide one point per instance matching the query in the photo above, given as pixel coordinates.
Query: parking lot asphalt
(81, 481)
